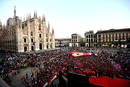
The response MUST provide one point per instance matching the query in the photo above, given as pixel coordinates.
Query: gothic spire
(43, 18)
(14, 11)
(52, 30)
(48, 27)
(35, 14)
(28, 16)
(0, 23)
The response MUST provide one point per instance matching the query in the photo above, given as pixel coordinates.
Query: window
(91, 40)
(116, 36)
(47, 47)
(87, 40)
(123, 36)
(25, 40)
(40, 35)
(22, 26)
(126, 35)
(25, 24)
(89, 36)
(39, 27)
(31, 33)
(32, 48)
(75, 37)
(46, 40)
(31, 40)
(119, 36)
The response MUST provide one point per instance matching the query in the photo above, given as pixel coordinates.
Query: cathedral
(27, 35)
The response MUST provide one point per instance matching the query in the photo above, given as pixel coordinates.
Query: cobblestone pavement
(16, 79)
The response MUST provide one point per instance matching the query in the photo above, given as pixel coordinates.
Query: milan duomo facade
(29, 35)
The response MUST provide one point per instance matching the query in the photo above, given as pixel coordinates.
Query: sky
(72, 16)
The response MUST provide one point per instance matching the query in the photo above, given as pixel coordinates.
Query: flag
(76, 54)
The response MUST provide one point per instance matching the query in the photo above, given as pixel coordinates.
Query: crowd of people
(47, 64)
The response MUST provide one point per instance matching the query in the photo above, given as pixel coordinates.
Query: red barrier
(106, 81)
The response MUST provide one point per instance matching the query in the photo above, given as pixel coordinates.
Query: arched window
(25, 40)
(31, 40)
(40, 35)
(39, 27)
(47, 47)
(32, 48)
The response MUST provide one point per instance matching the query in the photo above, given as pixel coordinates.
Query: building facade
(113, 37)
(76, 40)
(27, 35)
(62, 42)
(90, 40)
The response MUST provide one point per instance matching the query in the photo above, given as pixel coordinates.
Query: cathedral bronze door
(25, 49)
(40, 46)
